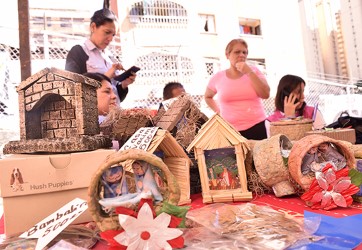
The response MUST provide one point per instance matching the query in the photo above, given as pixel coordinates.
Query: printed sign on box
(44, 183)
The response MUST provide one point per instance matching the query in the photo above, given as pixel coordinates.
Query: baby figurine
(310, 161)
(146, 187)
(329, 153)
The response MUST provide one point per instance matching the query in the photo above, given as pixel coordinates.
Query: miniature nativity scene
(148, 177)
(220, 152)
(132, 187)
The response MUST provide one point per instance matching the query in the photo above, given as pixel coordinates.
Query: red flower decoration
(330, 189)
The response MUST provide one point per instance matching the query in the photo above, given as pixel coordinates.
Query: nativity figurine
(146, 187)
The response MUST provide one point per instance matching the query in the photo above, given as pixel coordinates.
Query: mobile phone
(126, 74)
(315, 112)
(287, 93)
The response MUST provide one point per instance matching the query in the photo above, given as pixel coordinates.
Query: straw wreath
(110, 222)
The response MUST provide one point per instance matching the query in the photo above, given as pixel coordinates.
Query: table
(293, 205)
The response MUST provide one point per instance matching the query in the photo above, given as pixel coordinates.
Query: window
(210, 68)
(158, 12)
(207, 23)
(249, 26)
(212, 65)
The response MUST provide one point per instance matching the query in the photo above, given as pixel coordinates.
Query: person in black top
(93, 56)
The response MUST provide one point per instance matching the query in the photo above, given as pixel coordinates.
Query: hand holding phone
(287, 93)
(126, 74)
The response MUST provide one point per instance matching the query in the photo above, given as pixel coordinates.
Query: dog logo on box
(16, 180)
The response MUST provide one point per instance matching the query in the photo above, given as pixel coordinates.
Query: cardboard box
(48, 182)
(341, 134)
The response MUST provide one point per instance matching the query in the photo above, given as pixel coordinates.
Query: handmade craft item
(120, 124)
(113, 183)
(270, 160)
(330, 188)
(165, 146)
(345, 134)
(182, 118)
(294, 129)
(58, 114)
(220, 152)
(299, 155)
(105, 219)
(146, 229)
(146, 187)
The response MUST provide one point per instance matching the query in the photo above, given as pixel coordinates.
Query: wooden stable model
(220, 152)
(182, 118)
(176, 159)
(165, 146)
(58, 113)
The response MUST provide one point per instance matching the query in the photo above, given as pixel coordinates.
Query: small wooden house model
(220, 152)
(165, 146)
(58, 113)
(182, 118)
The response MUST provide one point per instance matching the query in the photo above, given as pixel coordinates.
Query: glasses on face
(238, 52)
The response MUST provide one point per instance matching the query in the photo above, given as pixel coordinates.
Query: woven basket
(345, 134)
(355, 148)
(110, 222)
(293, 129)
(121, 124)
(127, 126)
(301, 147)
(270, 165)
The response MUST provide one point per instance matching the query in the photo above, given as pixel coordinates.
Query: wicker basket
(110, 222)
(270, 165)
(293, 129)
(345, 134)
(301, 147)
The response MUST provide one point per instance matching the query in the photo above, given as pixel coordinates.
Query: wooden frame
(218, 138)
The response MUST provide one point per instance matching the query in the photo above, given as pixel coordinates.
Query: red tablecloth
(293, 205)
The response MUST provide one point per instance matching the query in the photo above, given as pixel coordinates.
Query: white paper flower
(146, 232)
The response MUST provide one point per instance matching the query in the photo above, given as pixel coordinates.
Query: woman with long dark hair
(290, 102)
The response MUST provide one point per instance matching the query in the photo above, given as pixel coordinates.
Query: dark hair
(102, 16)
(286, 86)
(97, 76)
(169, 87)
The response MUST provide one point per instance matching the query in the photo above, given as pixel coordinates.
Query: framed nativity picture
(220, 152)
(222, 177)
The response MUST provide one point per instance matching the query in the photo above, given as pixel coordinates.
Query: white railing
(320, 88)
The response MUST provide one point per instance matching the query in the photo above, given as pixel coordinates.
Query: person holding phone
(240, 90)
(93, 56)
(290, 102)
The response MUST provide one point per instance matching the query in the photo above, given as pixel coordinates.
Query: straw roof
(217, 133)
(164, 141)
